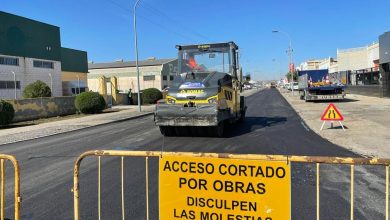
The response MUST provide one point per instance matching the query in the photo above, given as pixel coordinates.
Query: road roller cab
(205, 93)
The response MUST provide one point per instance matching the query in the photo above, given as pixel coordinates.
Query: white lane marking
(304, 125)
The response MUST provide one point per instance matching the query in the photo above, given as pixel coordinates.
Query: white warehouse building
(30, 51)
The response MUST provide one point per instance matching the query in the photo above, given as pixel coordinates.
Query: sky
(317, 28)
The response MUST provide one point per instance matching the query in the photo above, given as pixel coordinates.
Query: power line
(163, 27)
(176, 22)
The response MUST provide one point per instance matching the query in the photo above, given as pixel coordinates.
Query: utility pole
(136, 54)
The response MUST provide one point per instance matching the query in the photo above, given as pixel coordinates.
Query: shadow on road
(18, 125)
(342, 100)
(250, 124)
(253, 123)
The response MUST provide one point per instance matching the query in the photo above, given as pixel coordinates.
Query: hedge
(151, 95)
(90, 102)
(7, 113)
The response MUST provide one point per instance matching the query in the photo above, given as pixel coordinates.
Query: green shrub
(37, 89)
(7, 113)
(151, 95)
(90, 102)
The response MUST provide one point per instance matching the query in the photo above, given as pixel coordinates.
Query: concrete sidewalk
(367, 120)
(56, 127)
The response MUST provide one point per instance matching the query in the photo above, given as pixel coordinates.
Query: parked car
(247, 86)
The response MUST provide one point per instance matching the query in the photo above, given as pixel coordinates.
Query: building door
(109, 94)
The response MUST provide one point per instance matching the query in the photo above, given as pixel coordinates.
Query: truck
(315, 85)
(205, 94)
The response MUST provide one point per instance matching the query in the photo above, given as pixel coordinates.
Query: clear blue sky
(103, 28)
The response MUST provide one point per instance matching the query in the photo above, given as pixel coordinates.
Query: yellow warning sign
(332, 114)
(223, 189)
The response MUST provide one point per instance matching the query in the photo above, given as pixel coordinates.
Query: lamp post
(290, 58)
(136, 54)
(51, 84)
(78, 83)
(14, 82)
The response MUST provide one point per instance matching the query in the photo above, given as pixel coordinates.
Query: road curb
(105, 123)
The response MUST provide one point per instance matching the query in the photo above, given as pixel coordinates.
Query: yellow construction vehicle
(204, 95)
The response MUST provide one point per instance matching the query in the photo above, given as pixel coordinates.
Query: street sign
(214, 188)
(332, 114)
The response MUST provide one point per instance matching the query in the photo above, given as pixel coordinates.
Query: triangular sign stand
(332, 114)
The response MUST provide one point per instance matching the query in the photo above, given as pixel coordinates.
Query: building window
(9, 85)
(149, 78)
(9, 61)
(75, 91)
(43, 64)
(166, 77)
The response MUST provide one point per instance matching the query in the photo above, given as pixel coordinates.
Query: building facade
(384, 55)
(311, 64)
(74, 64)
(361, 65)
(329, 64)
(154, 73)
(29, 51)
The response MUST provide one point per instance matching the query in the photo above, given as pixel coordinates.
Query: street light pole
(51, 84)
(14, 82)
(136, 54)
(78, 83)
(290, 58)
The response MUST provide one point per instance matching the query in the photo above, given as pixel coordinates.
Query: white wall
(6, 75)
(352, 59)
(33, 74)
(26, 73)
(127, 77)
(358, 58)
(329, 64)
(372, 54)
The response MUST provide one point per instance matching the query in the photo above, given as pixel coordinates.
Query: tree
(37, 89)
(295, 75)
(247, 77)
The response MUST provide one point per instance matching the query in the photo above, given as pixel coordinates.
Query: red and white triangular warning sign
(332, 114)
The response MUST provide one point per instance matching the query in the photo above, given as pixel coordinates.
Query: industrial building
(360, 66)
(121, 77)
(31, 50)
(384, 54)
(74, 64)
(312, 64)
(362, 69)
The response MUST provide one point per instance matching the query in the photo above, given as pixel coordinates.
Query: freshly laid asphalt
(271, 127)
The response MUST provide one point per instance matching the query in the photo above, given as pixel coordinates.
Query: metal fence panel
(317, 160)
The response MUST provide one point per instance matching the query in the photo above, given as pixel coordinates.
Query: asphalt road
(271, 127)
